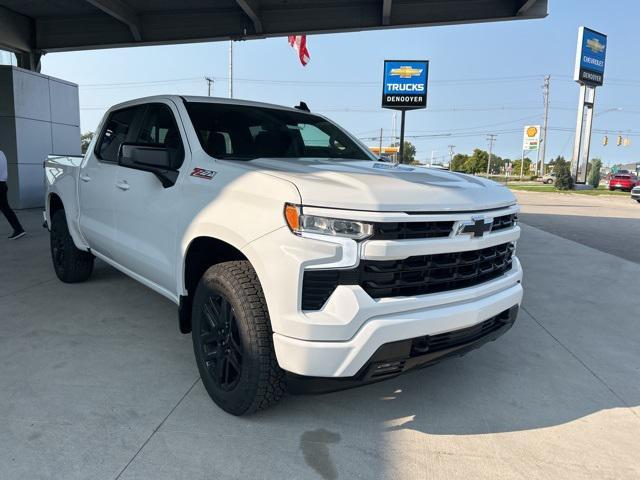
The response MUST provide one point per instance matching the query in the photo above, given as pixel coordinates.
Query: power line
(319, 83)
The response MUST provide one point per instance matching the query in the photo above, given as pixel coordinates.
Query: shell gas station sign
(531, 139)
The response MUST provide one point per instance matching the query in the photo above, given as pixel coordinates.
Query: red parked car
(622, 181)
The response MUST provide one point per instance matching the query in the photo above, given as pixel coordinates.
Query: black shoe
(17, 235)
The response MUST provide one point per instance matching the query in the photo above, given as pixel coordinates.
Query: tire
(232, 340)
(548, 182)
(71, 264)
(638, 200)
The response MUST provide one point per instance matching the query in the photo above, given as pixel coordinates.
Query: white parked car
(297, 260)
(549, 178)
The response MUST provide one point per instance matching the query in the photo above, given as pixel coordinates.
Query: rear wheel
(232, 340)
(71, 264)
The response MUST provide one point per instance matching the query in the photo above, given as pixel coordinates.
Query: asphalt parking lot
(96, 382)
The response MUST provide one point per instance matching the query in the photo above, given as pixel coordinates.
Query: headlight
(337, 227)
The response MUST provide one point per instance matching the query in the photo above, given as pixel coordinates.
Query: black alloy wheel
(220, 342)
(70, 264)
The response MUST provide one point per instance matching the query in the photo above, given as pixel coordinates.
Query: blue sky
(484, 78)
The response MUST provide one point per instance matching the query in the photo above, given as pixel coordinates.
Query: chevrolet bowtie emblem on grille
(476, 227)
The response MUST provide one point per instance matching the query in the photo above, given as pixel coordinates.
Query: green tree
(564, 180)
(497, 165)
(85, 140)
(550, 167)
(516, 167)
(477, 162)
(409, 151)
(593, 178)
(458, 162)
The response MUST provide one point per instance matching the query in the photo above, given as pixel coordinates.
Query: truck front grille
(408, 230)
(416, 275)
(437, 229)
(503, 222)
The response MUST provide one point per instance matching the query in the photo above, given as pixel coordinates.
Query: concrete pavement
(96, 382)
(606, 222)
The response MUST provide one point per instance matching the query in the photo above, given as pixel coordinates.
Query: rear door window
(115, 133)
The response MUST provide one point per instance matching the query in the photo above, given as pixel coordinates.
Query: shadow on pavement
(617, 236)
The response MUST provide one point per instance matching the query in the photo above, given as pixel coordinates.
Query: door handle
(85, 178)
(123, 185)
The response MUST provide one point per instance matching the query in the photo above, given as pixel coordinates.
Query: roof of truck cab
(200, 99)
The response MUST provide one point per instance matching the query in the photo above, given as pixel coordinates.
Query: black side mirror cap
(155, 159)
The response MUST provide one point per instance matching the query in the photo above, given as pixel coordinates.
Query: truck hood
(381, 186)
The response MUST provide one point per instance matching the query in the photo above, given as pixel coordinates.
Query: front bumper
(347, 358)
(395, 358)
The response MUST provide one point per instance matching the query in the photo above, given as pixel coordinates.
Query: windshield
(240, 132)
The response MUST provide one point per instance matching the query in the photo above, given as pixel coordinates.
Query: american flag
(299, 42)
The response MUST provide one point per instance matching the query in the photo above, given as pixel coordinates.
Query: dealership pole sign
(590, 57)
(404, 87)
(591, 54)
(405, 84)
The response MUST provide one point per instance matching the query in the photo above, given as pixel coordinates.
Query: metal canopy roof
(40, 26)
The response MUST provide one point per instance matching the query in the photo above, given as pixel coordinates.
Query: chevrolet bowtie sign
(590, 57)
(405, 84)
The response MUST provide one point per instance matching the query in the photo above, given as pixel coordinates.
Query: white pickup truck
(298, 260)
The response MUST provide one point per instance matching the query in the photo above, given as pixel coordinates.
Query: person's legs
(7, 211)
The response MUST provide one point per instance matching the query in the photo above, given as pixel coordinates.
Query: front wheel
(71, 264)
(232, 340)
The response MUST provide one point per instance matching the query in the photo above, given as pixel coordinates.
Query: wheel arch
(201, 253)
(54, 203)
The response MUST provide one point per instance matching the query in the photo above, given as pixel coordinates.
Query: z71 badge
(202, 173)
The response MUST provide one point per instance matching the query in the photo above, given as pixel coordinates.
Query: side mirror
(149, 158)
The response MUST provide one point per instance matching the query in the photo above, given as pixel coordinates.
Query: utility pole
(545, 95)
(451, 147)
(230, 68)
(209, 85)
(492, 138)
(380, 152)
